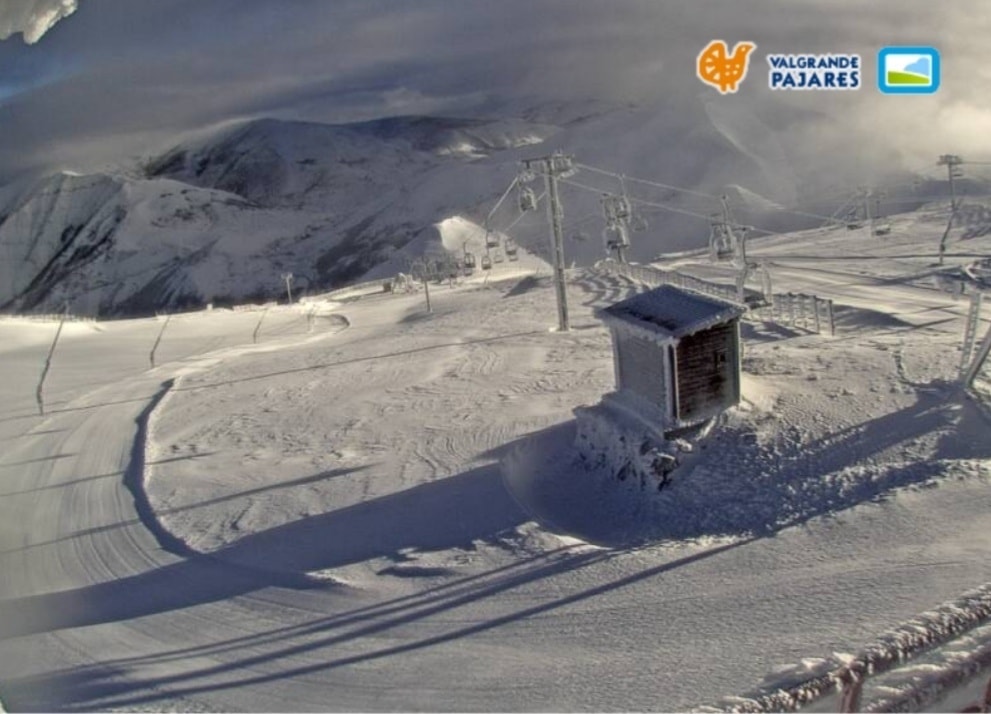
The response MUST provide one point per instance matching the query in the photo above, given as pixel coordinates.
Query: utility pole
(553, 167)
(951, 161)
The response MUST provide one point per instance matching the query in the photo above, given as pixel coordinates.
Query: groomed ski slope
(385, 513)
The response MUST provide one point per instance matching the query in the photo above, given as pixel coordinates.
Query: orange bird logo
(724, 71)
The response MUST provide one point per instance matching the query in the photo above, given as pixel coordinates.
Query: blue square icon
(908, 70)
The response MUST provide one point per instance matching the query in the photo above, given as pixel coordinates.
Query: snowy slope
(390, 516)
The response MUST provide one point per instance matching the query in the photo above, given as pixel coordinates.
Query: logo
(804, 71)
(908, 70)
(724, 71)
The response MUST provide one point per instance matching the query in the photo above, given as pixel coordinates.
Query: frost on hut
(676, 356)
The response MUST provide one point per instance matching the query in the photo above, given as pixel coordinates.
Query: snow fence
(892, 650)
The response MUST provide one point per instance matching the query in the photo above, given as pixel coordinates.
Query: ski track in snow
(359, 546)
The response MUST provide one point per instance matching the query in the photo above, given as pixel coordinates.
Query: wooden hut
(676, 355)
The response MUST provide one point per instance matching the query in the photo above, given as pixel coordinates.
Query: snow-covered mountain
(221, 217)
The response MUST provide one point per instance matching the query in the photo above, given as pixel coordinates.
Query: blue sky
(119, 76)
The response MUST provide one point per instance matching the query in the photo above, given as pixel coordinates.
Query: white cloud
(33, 18)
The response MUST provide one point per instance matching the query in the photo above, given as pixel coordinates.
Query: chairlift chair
(496, 256)
(720, 243)
(511, 249)
(486, 263)
(491, 240)
(528, 199)
(469, 260)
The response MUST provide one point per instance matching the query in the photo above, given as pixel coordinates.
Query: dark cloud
(120, 75)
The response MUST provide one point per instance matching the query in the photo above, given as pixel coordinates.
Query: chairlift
(469, 260)
(639, 223)
(491, 239)
(511, 249)
(528, 199)
(615, 237)
(496, 256)
(720, 242)
(486, 263)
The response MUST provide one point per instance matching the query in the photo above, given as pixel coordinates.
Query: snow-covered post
(254, 335)
(815, 312)
(151, 355)
(970, 331)
(979, 359)
(829, 313)
(309, 319)
(288, 277)
(426, 290)
(48, 363)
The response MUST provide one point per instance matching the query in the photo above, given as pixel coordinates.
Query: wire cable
(502, 198)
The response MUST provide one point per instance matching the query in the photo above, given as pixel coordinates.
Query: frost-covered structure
(676, 355)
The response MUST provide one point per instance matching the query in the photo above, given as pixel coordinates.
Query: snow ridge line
(134, 479)
(910, 639)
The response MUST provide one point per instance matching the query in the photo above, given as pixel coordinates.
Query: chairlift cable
(502, 198)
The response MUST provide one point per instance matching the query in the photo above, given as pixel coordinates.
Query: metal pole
(151, 355)
(950, 161)
(979, 359)
(557, 243)
(953, 191)
(970, 332)
(48, 363)
(946, 234)
(254, 335)
(426, 290)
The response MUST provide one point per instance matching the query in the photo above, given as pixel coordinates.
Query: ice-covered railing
(655, 276)
(892, 650)
(50, 317)
(808, 312)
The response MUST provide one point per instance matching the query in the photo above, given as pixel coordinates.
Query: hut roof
(672, 311)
